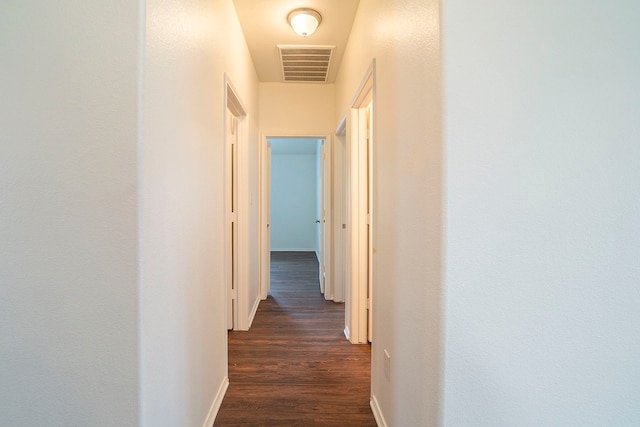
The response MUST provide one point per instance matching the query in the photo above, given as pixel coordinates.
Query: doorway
(231, 222)
(295, 202)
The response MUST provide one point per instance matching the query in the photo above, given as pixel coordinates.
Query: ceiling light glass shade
(304, 21)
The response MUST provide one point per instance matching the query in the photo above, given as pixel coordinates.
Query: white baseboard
(377, 412)
(254, 310)
(217, 402)
(346, 332)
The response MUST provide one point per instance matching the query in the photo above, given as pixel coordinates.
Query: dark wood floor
(295, 367)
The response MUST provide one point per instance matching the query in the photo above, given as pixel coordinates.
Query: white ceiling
(265, 26)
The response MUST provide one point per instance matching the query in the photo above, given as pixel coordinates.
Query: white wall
(291, 109)
(189, 47)
(110, 214)
(293, 202)
(403, 36)
(543, 213)
(68, 227)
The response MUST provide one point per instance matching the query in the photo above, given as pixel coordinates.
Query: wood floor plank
(295, 367)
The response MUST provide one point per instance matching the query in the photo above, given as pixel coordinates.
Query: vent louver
(305, 64)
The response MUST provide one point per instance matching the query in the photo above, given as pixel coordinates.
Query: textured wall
(289, 109)
(189, 47)
(542, 276)
(293, 202)
(68, 213)
(403, 37)
(112, 137)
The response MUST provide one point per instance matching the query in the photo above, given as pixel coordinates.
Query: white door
(323, 219)
(266, 220)
(369, 162)
(268, 287)
(360, 266)
(231, 203)
(339, 218)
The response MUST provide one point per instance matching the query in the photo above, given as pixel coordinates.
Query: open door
(231, 217)
(320, 145)
(325, 220)
(338, 196)
(361, 213)
(322, 271)
(235, 212)
(265, 218)
(368, 111)
(364, 142)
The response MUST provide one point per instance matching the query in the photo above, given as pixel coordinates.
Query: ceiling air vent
(305, 64)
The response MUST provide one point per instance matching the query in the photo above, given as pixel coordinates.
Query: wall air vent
(305, 64)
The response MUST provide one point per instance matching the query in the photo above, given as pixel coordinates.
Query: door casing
(265, 197)
(265, 217)
(236, 257)
(361, 175)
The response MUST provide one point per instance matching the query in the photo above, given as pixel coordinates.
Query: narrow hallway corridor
(295, 367)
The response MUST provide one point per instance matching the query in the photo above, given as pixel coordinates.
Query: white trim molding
(377, 412)
(360, 262)
(265, 249)
(241, 257)
(217, 402)
(254, 310)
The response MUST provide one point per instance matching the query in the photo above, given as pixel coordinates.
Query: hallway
(295, 367)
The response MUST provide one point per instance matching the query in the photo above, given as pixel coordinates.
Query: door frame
(233, 103)
(340, 213)
(360, 267)
(264, 225)
(231, 217)
(326, 221)
(265, 218)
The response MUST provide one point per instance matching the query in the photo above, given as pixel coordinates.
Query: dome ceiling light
(304, 21)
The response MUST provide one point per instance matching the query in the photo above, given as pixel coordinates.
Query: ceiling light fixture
(304, 21)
